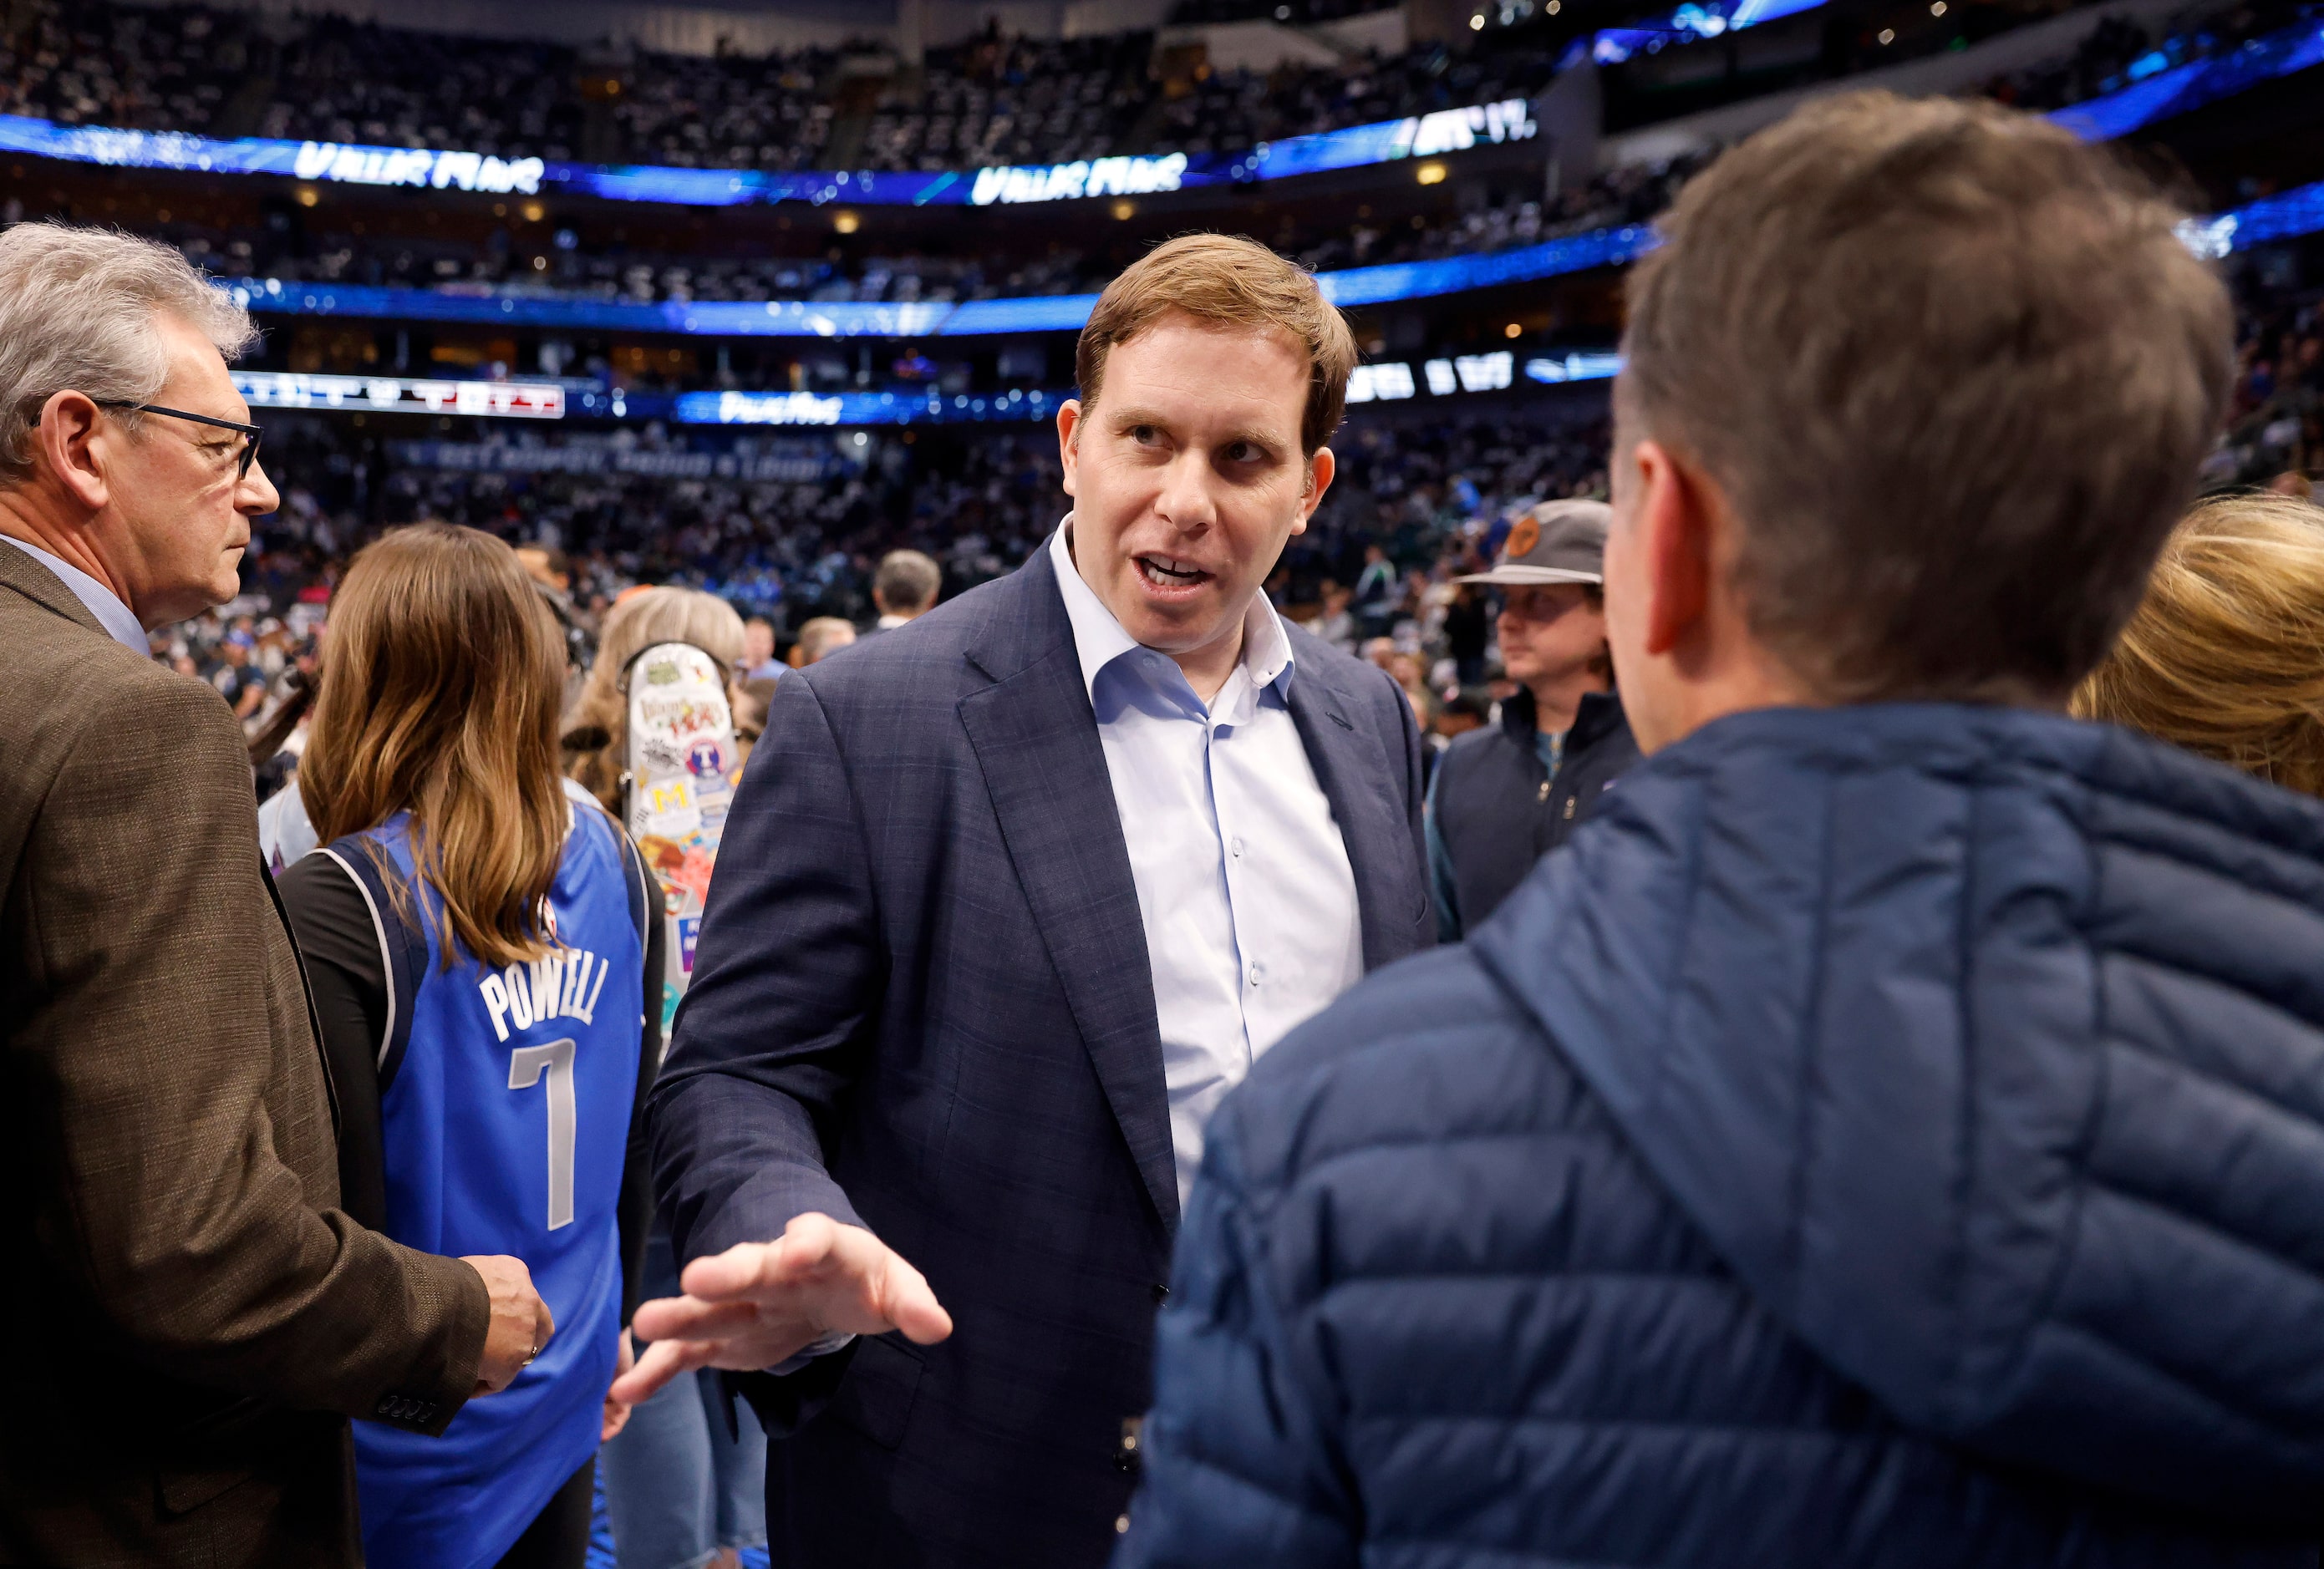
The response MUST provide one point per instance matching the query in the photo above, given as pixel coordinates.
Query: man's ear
(1069, 429)
(71, 429)
(1673, 520)
(1320, 468)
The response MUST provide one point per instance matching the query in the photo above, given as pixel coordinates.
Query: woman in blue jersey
(474, 936)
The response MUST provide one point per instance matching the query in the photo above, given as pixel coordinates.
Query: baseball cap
(1556, 542)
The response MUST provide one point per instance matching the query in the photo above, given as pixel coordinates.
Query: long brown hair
(441, 674)
(2225, 656)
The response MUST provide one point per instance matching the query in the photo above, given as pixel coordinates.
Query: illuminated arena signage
(395, 395)
(416, 166)
(1065, 181)
(351, 163)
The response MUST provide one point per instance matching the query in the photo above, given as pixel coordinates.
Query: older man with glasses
(207, 1317)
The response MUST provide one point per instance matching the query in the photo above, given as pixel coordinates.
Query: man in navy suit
(1008, 899)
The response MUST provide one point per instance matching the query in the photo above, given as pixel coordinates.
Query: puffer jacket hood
(1987, 1048)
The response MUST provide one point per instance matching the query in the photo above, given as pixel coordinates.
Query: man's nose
(1187, 500)
(256, 494)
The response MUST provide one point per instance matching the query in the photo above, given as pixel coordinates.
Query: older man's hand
(760, 1304)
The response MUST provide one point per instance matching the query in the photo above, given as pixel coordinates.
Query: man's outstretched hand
(758, 1303)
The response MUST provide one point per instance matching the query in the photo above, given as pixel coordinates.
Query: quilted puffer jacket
(1887, 1136)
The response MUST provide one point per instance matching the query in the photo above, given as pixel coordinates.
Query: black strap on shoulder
(402, 947)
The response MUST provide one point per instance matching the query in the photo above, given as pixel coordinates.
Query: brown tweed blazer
(189, 1318)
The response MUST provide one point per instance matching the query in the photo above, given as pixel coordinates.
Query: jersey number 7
(526, 1064)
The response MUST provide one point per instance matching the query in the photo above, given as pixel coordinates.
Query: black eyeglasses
(251, 432)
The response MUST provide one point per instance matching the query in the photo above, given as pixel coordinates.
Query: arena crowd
(1732, 981)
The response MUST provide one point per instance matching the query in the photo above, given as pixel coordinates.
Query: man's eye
(1144, 435)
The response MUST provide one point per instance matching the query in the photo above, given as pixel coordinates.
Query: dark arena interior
(1880, 1130)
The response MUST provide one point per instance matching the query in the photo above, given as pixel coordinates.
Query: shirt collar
(111, 614)
(1099, 639)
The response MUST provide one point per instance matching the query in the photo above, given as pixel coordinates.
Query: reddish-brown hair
(1234, 282)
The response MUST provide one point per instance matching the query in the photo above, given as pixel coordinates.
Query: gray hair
(77, 315)
(907, 580)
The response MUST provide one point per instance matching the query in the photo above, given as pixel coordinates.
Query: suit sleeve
(775, 1025)
(160, 1035)
(1240, 1463)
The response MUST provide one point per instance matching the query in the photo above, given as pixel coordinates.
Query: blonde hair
(2225, 656)
(640, 619)
(823, 635)
(440, 681)
(1226, 279)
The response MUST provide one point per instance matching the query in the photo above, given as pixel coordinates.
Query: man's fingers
(754, 1268)
(544, 1326)
(906, 1302)
(663, 1361)
(684, 1318)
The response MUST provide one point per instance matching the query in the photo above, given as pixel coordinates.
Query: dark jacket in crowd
(192, 1315)
(1885, 1136)
(1497, 809)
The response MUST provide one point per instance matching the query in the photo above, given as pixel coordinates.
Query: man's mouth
(1170, 571)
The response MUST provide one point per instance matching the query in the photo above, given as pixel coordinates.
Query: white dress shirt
(1243, 882)
(111, 614)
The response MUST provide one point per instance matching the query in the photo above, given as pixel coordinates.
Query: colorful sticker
(705, 758)
(690, 927)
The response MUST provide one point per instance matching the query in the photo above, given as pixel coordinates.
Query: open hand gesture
(760, 1304)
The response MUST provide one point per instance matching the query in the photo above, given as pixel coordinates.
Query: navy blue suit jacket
(921, 1003)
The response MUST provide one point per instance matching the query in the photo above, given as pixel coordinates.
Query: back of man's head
(907, 583)
(1953, 372)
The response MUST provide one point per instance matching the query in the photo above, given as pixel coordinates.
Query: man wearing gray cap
(1504, 796)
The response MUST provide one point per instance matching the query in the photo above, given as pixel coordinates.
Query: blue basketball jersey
(505, 1105)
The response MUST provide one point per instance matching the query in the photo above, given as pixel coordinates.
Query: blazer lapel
(1350, 767)
(1036, 743)
(27, 573)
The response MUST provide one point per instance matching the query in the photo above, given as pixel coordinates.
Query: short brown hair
(2226, 654)
(1237, 282)
(1954, 372)
(441, 677)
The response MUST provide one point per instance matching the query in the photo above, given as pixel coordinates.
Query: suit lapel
(27, 573)
(1349, 766)
(1036, 743)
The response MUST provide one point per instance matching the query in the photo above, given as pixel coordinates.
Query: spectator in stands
(1379, 593)
(597, 730)
(759, 661)
(1337, 624)
(1005, 905)
(904, 588)
(2226, 654)
(1882, 1134)
(550, 571)
(207, 1316)
(1500, 802)
(242, 683)
(820, 638)
(472, 934)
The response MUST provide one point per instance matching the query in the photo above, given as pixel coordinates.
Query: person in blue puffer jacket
(1890, 1133)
